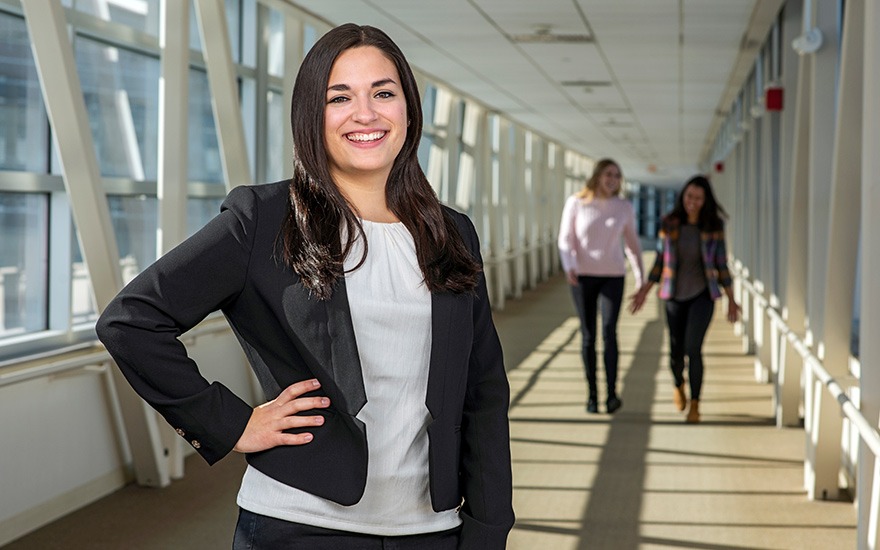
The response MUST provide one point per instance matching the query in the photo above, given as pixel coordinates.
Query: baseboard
(38, 516)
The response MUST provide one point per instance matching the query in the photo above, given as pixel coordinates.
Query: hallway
(642, 479)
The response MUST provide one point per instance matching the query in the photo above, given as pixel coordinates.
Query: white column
(822, 114)
(794, 306)
(868, 481)
(832, 246)
(502, 212)
(171, 187)
(216, 48)
(62, 95)
(173, 124)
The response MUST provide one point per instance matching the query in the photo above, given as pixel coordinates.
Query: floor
(639, 479)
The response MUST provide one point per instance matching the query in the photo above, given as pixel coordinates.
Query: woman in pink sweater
(597, 226)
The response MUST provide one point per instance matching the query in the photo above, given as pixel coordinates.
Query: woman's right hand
(265, 429)
(572, 277)
(637, 300)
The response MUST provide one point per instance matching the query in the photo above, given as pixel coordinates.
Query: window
(24, 127)
(23, 263)
(121, 92)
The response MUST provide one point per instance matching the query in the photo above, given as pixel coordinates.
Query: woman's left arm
(725, 279)
(487, 483)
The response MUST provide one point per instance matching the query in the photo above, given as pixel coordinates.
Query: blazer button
(196, 444)
(180, 432)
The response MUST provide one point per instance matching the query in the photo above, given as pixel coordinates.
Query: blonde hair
(589, 189)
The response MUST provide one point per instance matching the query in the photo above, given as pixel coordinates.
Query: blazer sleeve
(487, 512)
(141, 327)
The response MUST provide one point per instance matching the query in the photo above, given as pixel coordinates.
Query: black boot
(613, 403)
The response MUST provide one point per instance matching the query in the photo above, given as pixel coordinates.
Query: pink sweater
(593, 234)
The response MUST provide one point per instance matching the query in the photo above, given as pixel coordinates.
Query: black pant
(259, 532)
(688, 322)
(593, 294)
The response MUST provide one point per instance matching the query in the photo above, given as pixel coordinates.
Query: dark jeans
(259, 532)
(688, 322)
(593, 294)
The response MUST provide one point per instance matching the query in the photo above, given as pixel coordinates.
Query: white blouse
(391, 312)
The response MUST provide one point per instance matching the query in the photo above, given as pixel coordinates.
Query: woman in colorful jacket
(691, 268)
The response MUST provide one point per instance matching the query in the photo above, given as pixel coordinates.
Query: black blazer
(290, 336)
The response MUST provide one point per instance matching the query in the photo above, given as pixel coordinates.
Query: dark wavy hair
(712, 214)
(311, 236)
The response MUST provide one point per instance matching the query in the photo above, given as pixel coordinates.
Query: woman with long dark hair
(691, 268)
(361, 305)
(597, 226)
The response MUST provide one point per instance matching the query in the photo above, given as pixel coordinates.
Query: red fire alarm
(773, 98)
(719, 166)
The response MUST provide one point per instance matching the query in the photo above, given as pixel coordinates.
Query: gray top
(690, 278)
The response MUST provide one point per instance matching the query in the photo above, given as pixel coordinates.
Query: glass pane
(141, 15)
(277, 159)
(134, 223)
(121, 92)
(24, 127)
(276, 43)
(23, 263)
(232, 20)
(201, 211)
(82, 300)
(204, 151)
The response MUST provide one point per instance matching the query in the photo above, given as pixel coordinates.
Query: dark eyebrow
(346, 87)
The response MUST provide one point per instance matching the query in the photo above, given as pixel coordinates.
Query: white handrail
(15, 375)
(868, 433)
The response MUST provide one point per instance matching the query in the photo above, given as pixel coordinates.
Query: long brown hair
(589, 191)
(311, 233)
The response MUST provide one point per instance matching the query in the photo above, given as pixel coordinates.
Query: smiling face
(365, 119)
(608, 184)
(693, 197)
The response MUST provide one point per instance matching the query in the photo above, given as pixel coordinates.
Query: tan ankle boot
(679, 398)
(693, 415)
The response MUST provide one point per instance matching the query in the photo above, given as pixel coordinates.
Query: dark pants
(688, 322)
(258, 532)
(591, 295)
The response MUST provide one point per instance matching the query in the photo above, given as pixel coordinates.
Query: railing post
(823, 463)
(788, 384)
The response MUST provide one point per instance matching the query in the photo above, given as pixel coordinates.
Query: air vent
(550, 38)
(586, 83)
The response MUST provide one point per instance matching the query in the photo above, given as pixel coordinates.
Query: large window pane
(204, 151)
(23, 263)
(134, 223)
(121, 92)
(23, 126)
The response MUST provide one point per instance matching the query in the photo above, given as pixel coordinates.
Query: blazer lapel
(344, 359)
(326, 332)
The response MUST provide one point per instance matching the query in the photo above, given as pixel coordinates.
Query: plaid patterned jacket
(713, 251)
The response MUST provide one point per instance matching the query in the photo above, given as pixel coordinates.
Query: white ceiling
(646, 89)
